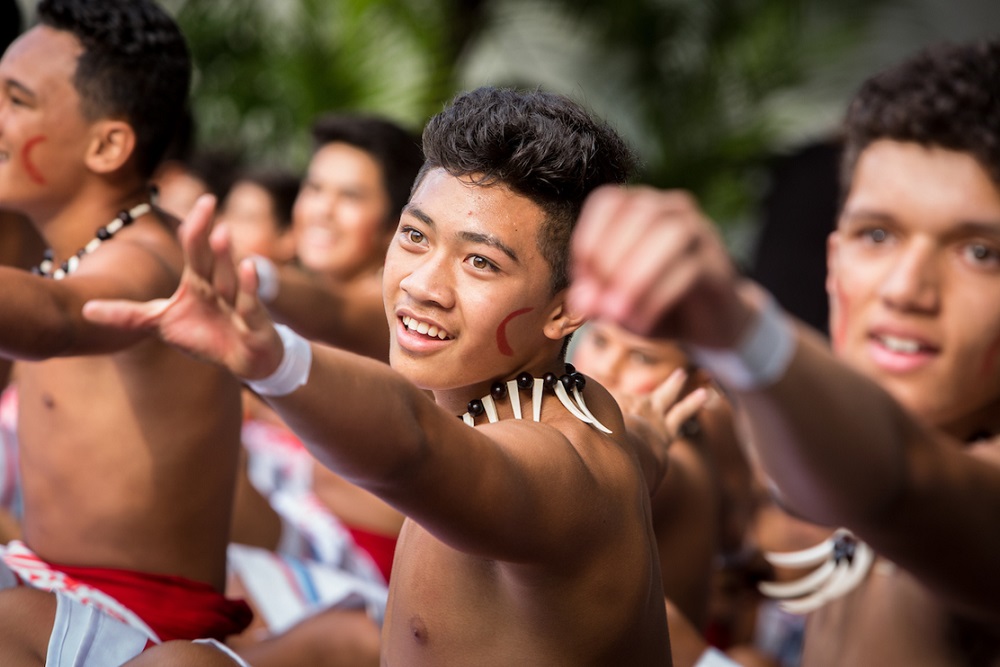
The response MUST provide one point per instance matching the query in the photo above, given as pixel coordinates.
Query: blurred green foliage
(684, 80)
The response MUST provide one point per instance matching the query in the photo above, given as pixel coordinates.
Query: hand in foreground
(650, 261)
(214, 315)
(663, 408)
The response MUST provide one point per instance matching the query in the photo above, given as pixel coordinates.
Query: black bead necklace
(47, 267)
(568, 388)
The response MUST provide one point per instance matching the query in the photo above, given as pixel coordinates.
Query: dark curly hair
(946, 96)
(135, 67)
(395, 149)
(542, 146)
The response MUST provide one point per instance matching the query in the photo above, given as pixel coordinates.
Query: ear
(561, 321)
(111, 146)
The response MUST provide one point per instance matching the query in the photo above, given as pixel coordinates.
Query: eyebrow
(473, 237)
(20, 87)
(963, 227)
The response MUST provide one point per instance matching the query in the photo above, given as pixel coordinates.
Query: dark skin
(535, 534)
(910, 279)
(149, 474)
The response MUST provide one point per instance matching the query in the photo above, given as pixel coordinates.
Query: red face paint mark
(990, 360)
(29, 166)
(502, 343)
(840, 332)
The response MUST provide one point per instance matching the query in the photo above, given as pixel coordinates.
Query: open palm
(214, 315)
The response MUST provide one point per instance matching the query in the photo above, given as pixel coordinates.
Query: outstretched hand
(663, 408)
(650, 261)
(214, 315)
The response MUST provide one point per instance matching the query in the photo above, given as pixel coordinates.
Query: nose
(913, 280)
(427, 281)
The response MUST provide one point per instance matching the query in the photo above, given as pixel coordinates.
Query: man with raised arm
(528, 538)
(128, 447)
(892, 434)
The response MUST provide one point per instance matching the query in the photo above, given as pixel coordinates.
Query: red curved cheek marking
(502, 343)
(840, 332)
(29, 166)
(990, 360)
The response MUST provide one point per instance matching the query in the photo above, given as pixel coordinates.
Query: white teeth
(422, 327)
(901, 345)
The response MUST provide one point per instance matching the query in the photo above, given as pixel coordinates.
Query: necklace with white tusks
(843, 561)
(561, 386)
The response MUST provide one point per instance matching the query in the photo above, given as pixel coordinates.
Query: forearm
(35, 321)
(359, 417)
(832, 441)
(332, 313)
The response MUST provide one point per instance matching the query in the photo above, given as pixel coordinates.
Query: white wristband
(713, 657)
(759, 359)
(292, 372)
(268, 282)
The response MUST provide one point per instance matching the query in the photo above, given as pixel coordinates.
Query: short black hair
(281, 185)
(135, 67)
(10, 23)
(393, 147)
(946, 96)
(541, 145)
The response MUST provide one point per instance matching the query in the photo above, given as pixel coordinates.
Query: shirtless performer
(893, 435)
(128, 447)
(526, 542)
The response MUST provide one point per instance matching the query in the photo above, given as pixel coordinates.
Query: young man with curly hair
(528, 540)
(893, 434)
(128, 447)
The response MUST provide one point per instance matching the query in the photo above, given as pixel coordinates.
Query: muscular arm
(838, 448)
(508, 490)
(41, 318)
(348, 316)
(841, 451)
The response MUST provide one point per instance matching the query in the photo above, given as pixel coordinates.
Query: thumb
(126, 315)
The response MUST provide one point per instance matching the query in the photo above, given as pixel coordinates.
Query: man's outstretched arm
(837, 447)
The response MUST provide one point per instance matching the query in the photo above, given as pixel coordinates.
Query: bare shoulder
(143, 261)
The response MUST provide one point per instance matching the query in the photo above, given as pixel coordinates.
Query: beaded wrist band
(268, 283)
(292, 372)
(761, 357)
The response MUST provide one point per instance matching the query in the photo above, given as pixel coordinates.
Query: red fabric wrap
(174, 607)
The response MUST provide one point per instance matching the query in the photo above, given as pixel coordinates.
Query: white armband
(713, 657)
(759, 359)
(292, 372)
(268, 282)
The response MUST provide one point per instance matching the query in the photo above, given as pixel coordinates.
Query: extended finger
(686, 408)
(248, 305)
(193, 234)
(224, 275)
(667, 392)
(125, 315)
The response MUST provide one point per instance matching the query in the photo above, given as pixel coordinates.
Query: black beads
(550, 380)
(843, 548)
(103, 234)
(570, 369)
(126, 218)
(525, 380)
(567, 382)
(476, 407)
(498, 391)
